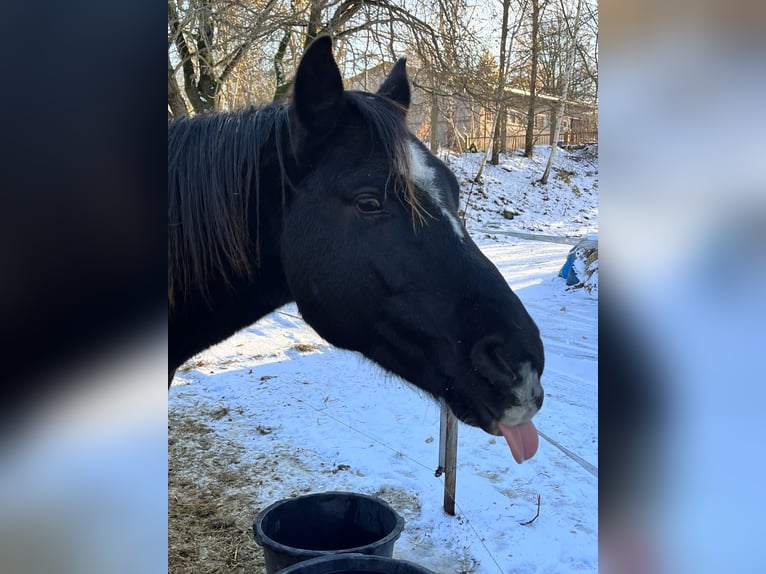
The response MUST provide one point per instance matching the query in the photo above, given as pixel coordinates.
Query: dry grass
(305, 347)
(210, 502)
(190, 365)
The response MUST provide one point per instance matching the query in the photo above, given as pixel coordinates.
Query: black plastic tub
(298, 529)
(355, 564)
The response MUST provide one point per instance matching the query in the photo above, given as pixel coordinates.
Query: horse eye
(368, 204)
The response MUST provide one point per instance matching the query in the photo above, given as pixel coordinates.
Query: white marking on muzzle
(424, 178)
(526, 394)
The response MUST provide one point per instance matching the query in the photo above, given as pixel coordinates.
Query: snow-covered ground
(567, 206)
(315, 418)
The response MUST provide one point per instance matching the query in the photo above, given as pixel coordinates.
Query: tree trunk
(207, 84)
(529, 140)
(280, 93)
(564, 92)
(497, 135)
(552, 128)
(187, 65)
(314, 23)
(487, 151)
(504, 131)
(500, 118)
(176, 104)
(434, 136)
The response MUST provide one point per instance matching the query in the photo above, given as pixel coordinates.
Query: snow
(334, 421)
(567, 207)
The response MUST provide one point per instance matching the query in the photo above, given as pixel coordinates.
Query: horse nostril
(489, 359)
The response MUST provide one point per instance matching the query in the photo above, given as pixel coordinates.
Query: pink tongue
(522, 439)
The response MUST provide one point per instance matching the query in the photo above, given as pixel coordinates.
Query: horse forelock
(386, 122)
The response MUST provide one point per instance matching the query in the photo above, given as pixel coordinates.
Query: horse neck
(242, 278)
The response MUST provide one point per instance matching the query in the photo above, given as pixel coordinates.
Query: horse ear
(318, 88)
(396, 86)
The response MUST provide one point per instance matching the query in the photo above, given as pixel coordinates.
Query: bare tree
(587, 51)
(220, 48)
(573, 30)
(479, 174)
(207, 40)
(529, 140)
(443, 70)
(555, 34)
(501, 120)
(224, 54)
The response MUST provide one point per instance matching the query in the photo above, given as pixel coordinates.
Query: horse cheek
(311, 264)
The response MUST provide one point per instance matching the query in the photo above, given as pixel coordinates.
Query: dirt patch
(404, 501)
(305, 347)
(210, 501)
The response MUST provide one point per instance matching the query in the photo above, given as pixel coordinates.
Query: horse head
(378, 261)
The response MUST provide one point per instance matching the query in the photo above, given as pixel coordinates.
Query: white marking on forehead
(526, 394)
(424, 177)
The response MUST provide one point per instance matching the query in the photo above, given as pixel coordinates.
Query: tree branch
(207, 84)
(176, 104)
(528, 522)
(236, 56)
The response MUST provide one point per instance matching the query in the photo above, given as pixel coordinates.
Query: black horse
(331, 202)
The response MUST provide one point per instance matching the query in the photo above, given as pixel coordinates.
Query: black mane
(215, 171)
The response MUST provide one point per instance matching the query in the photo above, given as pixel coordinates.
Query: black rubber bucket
(355, 564)
(298, 529)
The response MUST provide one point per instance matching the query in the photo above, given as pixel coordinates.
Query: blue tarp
(590, 241)
(567, 271)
